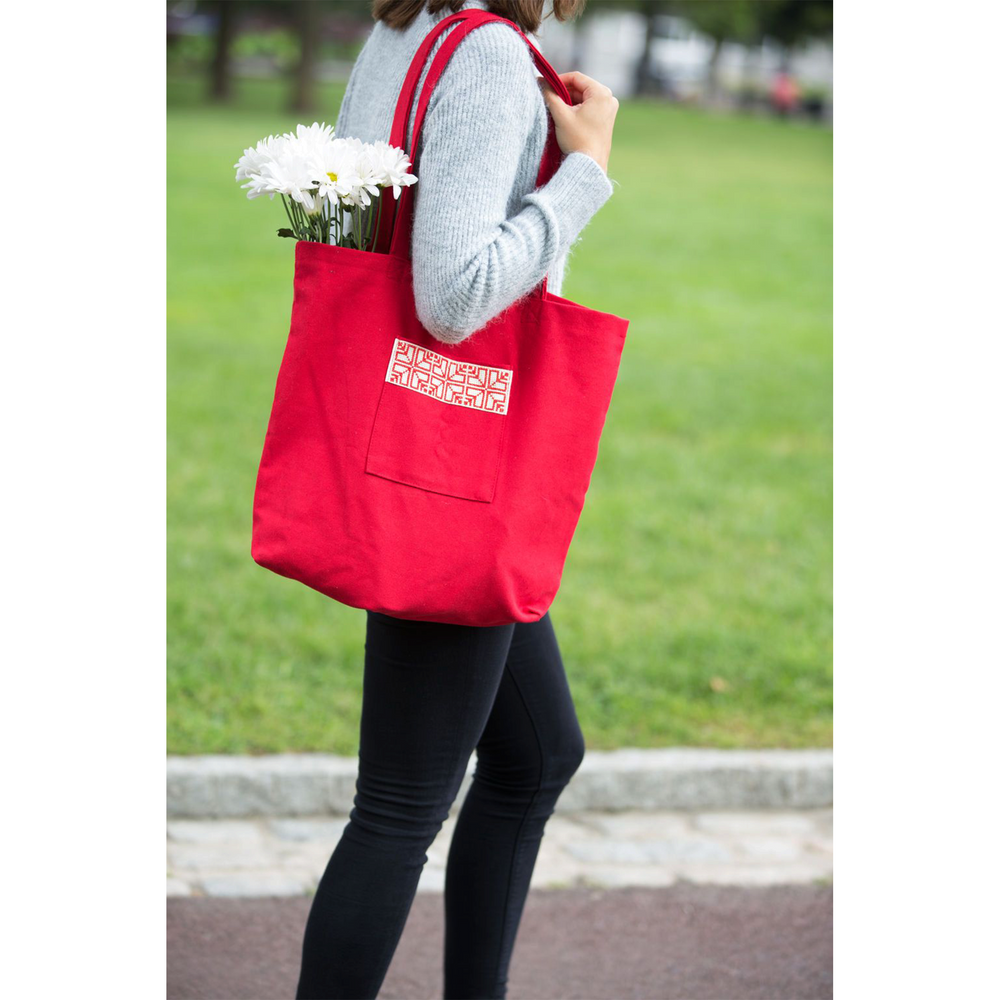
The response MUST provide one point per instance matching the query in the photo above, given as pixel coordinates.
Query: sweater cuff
(574, 194)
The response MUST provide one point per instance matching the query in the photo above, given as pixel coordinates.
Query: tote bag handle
(404, 106)
(399, 224)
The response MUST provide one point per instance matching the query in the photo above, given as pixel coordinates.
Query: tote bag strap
(404, 105)
(551, 157)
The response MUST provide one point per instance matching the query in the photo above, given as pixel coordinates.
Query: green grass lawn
(696, 602)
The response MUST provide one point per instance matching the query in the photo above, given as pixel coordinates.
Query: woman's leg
(530, 748)
(428, 691)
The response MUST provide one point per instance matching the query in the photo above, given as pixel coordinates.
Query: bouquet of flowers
(331, 187)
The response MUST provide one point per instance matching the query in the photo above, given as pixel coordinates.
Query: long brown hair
(526, 14)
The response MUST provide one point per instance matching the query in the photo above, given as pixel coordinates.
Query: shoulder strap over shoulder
(468, 21)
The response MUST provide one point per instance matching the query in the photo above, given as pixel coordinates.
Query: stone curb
(221, 787)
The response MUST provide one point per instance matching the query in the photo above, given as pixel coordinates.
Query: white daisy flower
(315, 134)
(290, 174)
(311, 140)
(334, 168)
(323, 180)
(370, 176)
(391, 166)
(253, 160)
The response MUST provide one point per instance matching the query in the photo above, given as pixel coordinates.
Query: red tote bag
(424, 480)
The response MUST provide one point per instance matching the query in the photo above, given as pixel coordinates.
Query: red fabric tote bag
(419, 479)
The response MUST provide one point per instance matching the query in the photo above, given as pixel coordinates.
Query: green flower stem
(368, 227)
(328, 225)
(378, 215)
(300, 227)
(284, 203)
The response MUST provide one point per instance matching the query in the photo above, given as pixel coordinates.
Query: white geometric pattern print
(476, 387)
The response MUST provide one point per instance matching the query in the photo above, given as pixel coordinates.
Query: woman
(483, 237)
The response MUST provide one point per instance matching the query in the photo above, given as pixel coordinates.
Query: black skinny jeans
(432, 694)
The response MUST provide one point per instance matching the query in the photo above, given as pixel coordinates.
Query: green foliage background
(696, 604)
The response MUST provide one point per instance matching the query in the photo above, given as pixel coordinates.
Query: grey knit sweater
(483, 236)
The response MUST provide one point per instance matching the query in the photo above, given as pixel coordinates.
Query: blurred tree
(723, 21)
(645, 81)
(315, 20)
(791, 22)
(308, 20)
(787, 22)
(221, 79)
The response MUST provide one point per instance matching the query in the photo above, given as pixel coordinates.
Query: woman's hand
(587, 124)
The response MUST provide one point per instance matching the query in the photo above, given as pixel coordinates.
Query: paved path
(285, 857)
(686, 942)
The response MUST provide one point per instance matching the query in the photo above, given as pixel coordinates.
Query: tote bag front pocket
(440, 423)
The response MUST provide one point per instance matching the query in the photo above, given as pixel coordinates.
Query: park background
(696, 602)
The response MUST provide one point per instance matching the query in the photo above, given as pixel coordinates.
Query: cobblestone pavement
(285, 857)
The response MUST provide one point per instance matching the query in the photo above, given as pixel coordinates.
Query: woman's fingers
(585, 126)
(555, 103)
(582, 87)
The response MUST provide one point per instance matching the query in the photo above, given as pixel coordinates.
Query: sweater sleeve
(475, 252)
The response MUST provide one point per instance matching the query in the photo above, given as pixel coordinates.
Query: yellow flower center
(332, 176)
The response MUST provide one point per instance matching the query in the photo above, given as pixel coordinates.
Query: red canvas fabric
(424, 480)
